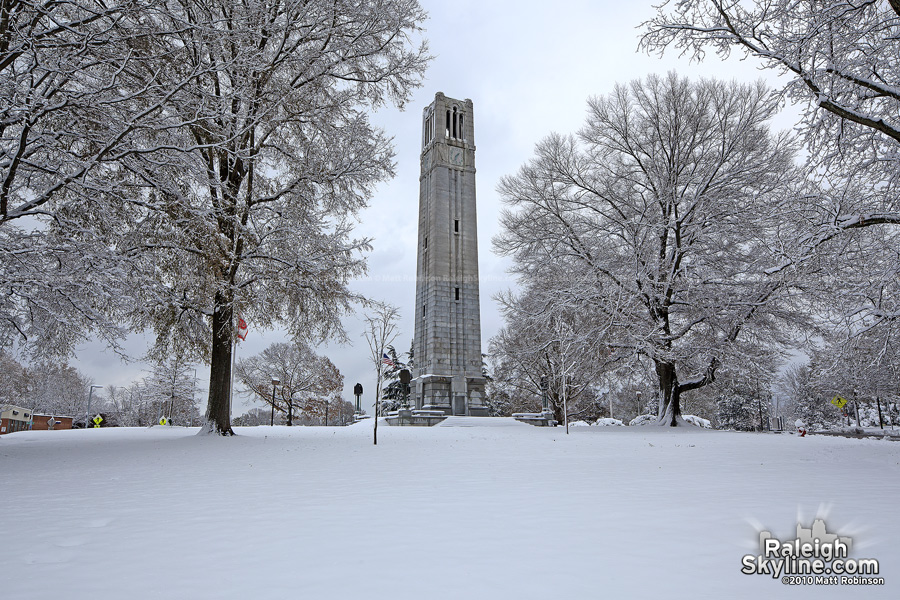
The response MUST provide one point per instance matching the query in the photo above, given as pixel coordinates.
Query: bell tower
(447, 342)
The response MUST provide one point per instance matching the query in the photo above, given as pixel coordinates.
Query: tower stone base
(458, 396)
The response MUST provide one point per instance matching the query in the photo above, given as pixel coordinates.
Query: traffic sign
(839, 402)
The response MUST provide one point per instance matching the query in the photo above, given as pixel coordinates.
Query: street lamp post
(275, 382)
(405, 378)
(545, 399)
(358, 392)
(88, 413)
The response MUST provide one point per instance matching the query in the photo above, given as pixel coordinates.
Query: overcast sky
(529, 68)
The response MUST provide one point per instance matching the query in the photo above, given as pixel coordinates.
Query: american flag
(387, 360)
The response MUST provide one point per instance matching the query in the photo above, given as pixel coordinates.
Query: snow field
(443, 512)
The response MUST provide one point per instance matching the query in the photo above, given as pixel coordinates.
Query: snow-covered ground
(502, 512)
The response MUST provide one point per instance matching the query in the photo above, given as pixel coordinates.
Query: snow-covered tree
(661, 218)
(394, 392)
(842, 63)
(170, 389)
(381, 331)
(134, 405)
(256, 417)
(238, 198)
(742, 403)
(547, 345)
(806, 400)
(842, 59)
(735, 409)
(14, 380)
(60, 389)
(510, 389)
(305, 378)
(331, 410)
(857, 364)
(62, 65)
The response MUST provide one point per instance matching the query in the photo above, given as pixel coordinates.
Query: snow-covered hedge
(579, 424)
(643, 420)
(607, 422)
(697, 421)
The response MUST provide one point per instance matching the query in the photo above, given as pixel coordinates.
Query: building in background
(14, 418)
(51, 422)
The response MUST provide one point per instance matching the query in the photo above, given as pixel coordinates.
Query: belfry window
(456, 226)
(457, 293)
(454, 126)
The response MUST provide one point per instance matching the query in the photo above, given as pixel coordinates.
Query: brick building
(14, 418)
(45, 422)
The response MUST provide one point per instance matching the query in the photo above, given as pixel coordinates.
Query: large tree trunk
(218, 410)
(556, 405)
(669, 395)
(670, 390)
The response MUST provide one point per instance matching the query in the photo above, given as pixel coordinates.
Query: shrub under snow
(643, 420)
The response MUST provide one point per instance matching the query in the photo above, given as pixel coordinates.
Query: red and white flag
(242, 329)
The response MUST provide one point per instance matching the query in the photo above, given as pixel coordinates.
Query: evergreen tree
(394, 393)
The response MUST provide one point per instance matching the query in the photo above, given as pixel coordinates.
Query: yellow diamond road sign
(163, 421)
(97, 420)
(839, 402)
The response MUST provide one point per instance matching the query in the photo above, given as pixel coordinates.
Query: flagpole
(231, 384)
(242, 327)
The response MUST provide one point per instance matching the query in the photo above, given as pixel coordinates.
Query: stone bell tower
(447, 343)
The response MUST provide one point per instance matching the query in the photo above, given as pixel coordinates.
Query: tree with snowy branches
(547, 347)
(62, 70)
(237, 199)
(842, 62)
(394, 394)
(806, 401)
(380, 332)
(170, 389)
(662, 216)
(305, 379)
